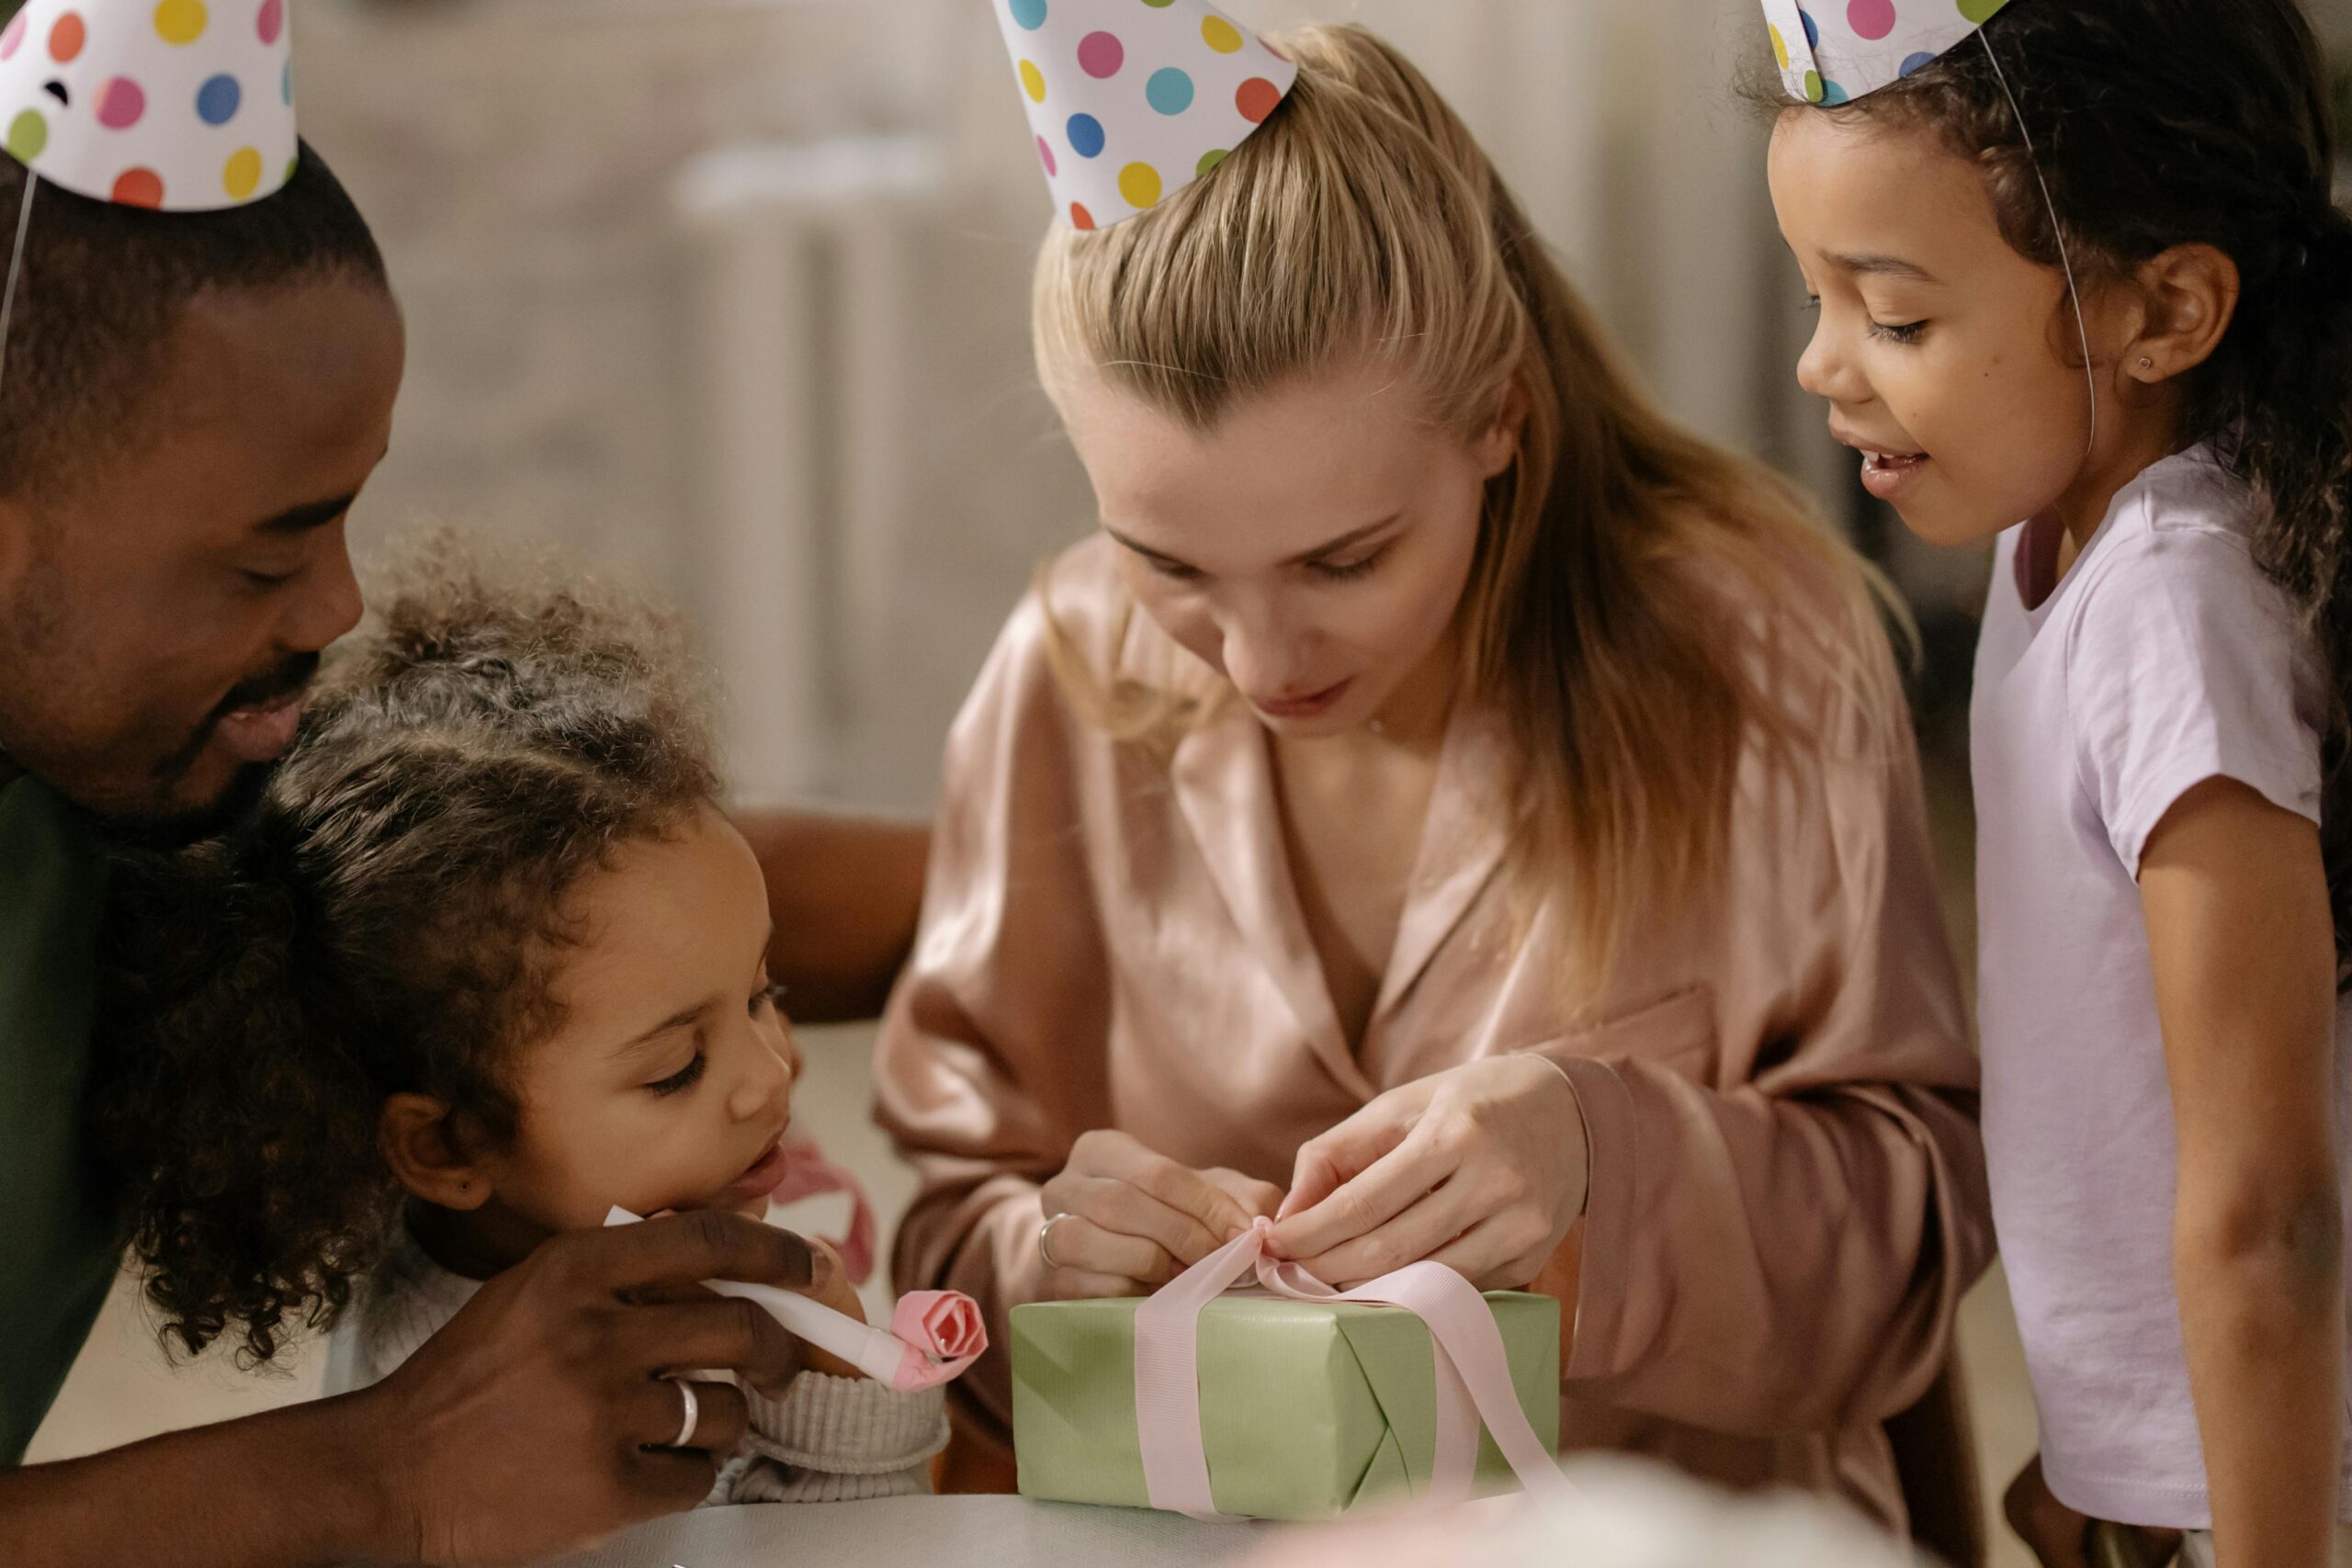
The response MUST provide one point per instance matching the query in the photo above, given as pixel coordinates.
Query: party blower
(933, 1337)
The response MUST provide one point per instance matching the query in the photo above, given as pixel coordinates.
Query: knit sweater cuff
(847, 1425)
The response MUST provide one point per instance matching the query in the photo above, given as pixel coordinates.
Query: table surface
(927, 1532)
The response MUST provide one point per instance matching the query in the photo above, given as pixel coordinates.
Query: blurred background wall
(730, 295)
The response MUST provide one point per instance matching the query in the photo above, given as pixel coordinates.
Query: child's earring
(2147, 363)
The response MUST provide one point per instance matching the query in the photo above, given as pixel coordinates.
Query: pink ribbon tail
(1473, 1373)
(808, 1174)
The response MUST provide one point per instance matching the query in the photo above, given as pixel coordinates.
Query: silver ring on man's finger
(693, 1412)
(1046, 1240)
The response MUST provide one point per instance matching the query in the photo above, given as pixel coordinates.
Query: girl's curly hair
(387, 920)
(2168, 122)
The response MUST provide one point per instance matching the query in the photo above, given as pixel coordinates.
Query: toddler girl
(486, 962)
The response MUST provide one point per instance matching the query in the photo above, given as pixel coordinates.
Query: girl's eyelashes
(1901, 333)
(684, 1078)
(264, 581)
(767, 997)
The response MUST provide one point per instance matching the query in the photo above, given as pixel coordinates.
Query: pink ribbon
(808, 1174)
(1473, 1373)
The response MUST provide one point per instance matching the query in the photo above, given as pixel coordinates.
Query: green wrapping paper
(1307, 1409)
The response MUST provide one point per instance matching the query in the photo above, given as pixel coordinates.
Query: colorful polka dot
(28, 135)
(1812, 86)
(272, 20)
(1873, 19)
(286, 82)
(139, 187)
(66, 36)
(1257, 99)
(1159, 5)
(181, 21)
(1045, 156)
(1086, 136)
(13, 39)
(1918, 62)
(1779, 45)
(1080, 218)
(122, 104)
(1981, 11)
(1100, 55)
(1032, 81)
(1139, 183)
(1832, 94)
(218, 100)
(1170, 91)
(1210, 160)
(1029, 14)
(242, 177)
(1221, 36)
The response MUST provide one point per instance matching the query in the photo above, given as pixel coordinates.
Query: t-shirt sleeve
(2187, 665)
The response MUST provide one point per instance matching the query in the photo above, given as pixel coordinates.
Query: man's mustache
(285, 680)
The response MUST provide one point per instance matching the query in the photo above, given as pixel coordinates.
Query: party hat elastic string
(2065, 261)
(16, 268)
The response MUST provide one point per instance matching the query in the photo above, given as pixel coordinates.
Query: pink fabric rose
(944, 1336)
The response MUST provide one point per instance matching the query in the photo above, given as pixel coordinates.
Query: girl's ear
(2190, 295)
(424, 1155)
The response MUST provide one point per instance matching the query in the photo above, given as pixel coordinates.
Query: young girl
(487, 962)
(1444, 789)
(2084, 270)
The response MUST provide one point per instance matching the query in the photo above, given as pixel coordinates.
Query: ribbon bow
(1473, 1373)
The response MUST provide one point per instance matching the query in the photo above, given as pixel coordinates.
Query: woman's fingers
(1260, 1200)
(1328, 1163)
(1503, 1252)
(1419, 1230)
(1361, 1205)
(1126, 1210)
(1084, 1245)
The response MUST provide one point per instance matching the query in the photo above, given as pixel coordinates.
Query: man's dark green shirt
(58, 1241)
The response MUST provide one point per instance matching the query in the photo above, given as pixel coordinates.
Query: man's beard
(31, 642)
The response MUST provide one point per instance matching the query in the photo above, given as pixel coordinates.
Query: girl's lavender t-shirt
(2164, 659)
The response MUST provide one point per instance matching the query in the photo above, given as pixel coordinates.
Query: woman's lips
(1308, 706)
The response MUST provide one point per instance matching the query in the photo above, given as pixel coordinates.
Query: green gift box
(1308, 1409)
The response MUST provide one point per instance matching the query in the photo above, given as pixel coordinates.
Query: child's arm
(2240, 932)
(836, 1435)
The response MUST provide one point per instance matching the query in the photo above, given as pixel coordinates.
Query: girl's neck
(2141, 439)
(473, 1244)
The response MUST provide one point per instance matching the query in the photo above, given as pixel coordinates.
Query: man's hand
(534, 1422)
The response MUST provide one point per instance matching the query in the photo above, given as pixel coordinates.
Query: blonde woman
(1451, 807)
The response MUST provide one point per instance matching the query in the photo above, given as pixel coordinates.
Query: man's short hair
(103, 286)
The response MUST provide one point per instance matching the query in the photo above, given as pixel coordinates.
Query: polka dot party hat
(182, 104)
(1832, 51)
(1133, 100)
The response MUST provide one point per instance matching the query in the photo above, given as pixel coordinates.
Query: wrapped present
(1287, 1402)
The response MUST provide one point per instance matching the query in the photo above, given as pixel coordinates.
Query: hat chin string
(2033, 156)
(16, 268)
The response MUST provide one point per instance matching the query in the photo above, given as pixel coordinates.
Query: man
(191, 404)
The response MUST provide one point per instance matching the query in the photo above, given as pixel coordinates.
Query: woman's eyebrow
(1883, 267)
(1354, 536)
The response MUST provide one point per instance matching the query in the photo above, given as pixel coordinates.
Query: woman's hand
(1136, 1219)
(1482, 1168)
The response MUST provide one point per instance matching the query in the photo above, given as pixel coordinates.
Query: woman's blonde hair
(1643, 606)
